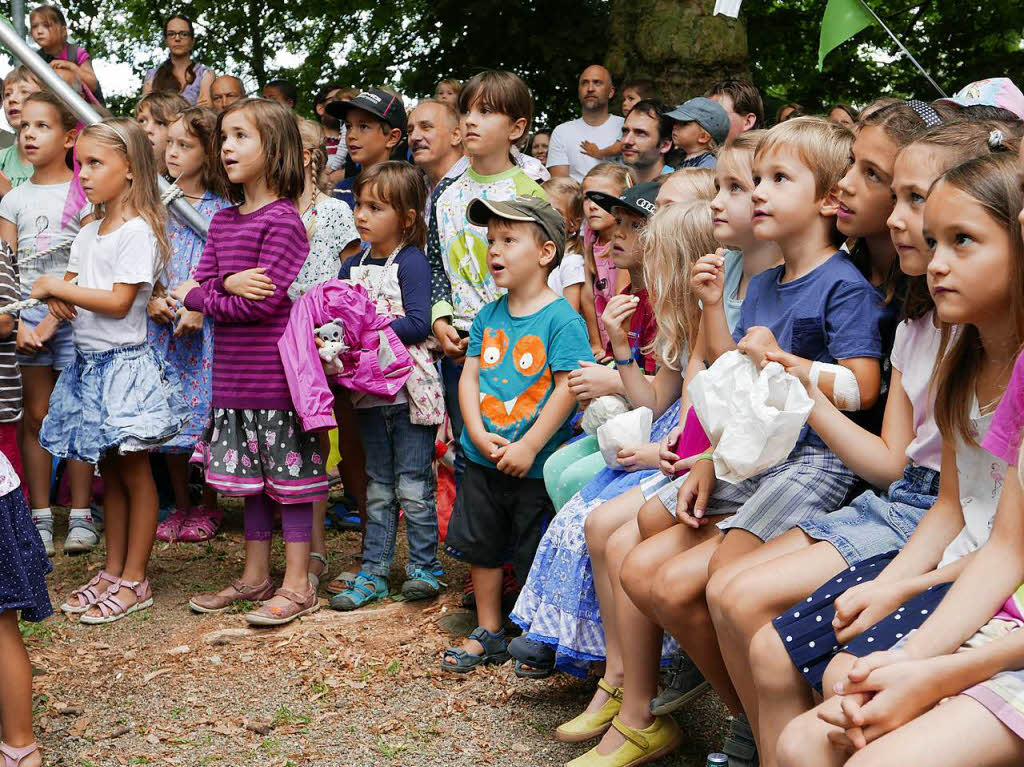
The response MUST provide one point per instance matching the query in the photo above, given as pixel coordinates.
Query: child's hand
(42, 288)
(600, 353)
(637, 458)
(707, 278)
(68, 66)
(489, 445)
(667, 452)
(692, 500)
(28, 340)
(839, 711)
(61, 310)
(160, 311)
(516, 458)
(863, 606)
(794, 365)
(591, 149)
(189, 322)
(590, 381)
(252, 284)
(757, 342)
(46, 328)
(183, 289)
(616, 316)
(452, 344)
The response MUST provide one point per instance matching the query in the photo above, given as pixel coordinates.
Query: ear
(393, 137)
(319, 109)
(456, 138)
(517, 129)
(705, 137)
(749, 121)
(307, 157)
(69, 138)
(666, 146)
(409, 219)
(829, 207)
(547, 253)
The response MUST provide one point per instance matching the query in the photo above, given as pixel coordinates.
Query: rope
(28, 303)
(173, 193)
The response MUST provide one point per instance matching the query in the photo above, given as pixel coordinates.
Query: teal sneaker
(366, 589)
(421, 584)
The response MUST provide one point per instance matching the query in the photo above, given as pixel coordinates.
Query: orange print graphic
(493, 348)
(523, 407)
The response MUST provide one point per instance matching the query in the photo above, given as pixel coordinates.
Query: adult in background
(283, 91)
(741, 101)
(435, 143)
(179, 73)
(646, 139)
(225, 91)
(566, 155)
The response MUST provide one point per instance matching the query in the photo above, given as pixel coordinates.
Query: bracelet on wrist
(624, 362)
(706, 456)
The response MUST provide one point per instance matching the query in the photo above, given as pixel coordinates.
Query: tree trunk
(678, 44)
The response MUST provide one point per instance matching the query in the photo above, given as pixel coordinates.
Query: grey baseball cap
(526, 209)
(707, 113)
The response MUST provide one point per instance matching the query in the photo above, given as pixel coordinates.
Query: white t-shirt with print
(914, 352)
(39, 212)
(564, 148)
(126, 255)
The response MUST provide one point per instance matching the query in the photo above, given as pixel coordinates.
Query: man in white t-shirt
(566, 155)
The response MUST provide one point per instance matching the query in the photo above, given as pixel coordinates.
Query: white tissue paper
(631, 429)
(752, 417)
(602, 410)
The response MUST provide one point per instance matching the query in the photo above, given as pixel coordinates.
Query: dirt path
(357, 689)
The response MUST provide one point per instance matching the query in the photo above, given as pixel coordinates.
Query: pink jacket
(377, 362)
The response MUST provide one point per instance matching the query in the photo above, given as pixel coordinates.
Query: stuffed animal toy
(333, 336)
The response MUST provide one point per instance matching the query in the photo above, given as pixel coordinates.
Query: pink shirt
(604, 283)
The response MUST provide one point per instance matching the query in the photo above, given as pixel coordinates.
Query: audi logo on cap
(370, 97)
(645, 204)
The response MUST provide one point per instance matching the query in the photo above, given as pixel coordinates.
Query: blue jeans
(451, 372)
(399, 467)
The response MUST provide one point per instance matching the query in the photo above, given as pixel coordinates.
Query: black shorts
(497, 515)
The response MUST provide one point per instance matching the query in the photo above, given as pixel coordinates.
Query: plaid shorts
(810, 483)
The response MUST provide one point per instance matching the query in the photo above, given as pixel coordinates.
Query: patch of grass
(271, 746)
(177, 712)
(393, 668)
(37, 631)
(40, 705)
(317, 687)
(389, 751)
(86, 763)
(285, 716)
(242, 606)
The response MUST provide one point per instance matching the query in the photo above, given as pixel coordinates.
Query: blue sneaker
(421, 584)
(366, 589)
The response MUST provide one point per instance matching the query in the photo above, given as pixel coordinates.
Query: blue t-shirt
(518, 359)
(830, 314)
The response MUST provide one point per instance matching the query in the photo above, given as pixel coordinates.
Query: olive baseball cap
(639, 199)
(707, 113)
(526, 209)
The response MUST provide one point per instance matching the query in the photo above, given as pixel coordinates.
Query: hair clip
(996, 140)
(926, 112)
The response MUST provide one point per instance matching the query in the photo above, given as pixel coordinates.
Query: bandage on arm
(845, 389)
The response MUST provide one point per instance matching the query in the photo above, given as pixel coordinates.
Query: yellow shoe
(593, 724)
(641, 746)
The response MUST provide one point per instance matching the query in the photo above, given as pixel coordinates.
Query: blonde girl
(566, 196)
(115, 402)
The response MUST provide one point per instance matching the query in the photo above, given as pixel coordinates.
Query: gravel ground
(352, 690)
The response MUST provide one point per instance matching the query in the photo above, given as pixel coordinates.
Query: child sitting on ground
(521, 348)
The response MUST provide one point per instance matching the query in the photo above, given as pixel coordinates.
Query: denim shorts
(58, 352)
(876, 523)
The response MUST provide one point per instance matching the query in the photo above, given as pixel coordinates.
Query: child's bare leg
(599, 526)
(804, 742)
(37, 385)
(678, 597)
(177, 468)
(15, 688)
(115, 515)
(487, 586)
(140, 523)
(959, 732)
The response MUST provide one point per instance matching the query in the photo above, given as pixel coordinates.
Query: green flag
(842, 20)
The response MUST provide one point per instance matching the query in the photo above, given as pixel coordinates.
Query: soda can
(718, 760)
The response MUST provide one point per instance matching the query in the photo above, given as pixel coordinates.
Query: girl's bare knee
(799, 744)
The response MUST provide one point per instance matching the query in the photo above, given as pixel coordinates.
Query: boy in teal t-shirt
(516, 404)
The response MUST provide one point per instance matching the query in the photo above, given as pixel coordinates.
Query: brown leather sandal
(297, 606)
(218, 603)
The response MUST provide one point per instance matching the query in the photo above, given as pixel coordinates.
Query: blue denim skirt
(121, 398)
(876, 523)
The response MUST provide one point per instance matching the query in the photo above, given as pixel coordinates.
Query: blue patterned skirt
(23, 561)
(558, 604)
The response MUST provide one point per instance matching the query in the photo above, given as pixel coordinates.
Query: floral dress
(188, 358)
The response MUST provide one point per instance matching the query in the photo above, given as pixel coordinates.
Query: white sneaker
(45, 529)
(82, 536)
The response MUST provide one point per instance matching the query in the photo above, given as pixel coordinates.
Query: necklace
(312, 202)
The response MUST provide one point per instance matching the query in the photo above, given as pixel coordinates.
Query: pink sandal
(14, 756)
(297, 606)
(170, 529)
(200, 525)
(91, 592)
(112, 608)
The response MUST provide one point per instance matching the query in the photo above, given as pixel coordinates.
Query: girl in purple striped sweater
(254, 445)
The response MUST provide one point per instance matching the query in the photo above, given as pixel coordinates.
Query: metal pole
(903, 48)
(83, 111)
(18, 14)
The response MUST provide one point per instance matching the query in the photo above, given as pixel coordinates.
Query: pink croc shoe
(170, 529)
(200, 525)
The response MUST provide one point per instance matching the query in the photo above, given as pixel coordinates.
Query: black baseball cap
(387, 106)
(639, 199)
(527, 209)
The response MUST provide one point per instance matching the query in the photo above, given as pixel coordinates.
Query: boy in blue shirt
(516, 405)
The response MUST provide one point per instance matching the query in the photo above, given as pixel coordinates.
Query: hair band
(926, 112)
